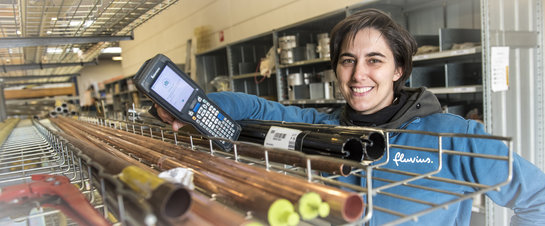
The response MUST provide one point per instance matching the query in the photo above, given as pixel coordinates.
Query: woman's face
(366, 72)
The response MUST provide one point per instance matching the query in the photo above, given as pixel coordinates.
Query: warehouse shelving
(454, 75)
(239, 62)
(118, 96)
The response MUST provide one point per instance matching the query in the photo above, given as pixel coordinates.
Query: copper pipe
(345, 205)
(274, 155)
(93, 143)
(200, 206)
(290, 158)
(170, 201)
(228, 190)
(215, 213)
(257, 152)
(131, 205)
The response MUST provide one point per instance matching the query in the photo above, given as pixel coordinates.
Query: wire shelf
(364, 170)
(32, 149)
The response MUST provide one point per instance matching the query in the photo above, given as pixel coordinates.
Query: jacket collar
(420, 103)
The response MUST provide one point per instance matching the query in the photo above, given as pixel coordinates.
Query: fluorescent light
(88, 23)
(117, 58)
(53, 18)
(75, 23)
(75, 50)
(48, 32)
(54, 50)
(18, 32)
(111, 50)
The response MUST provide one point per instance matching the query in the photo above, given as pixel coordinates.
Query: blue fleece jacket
(525, 194)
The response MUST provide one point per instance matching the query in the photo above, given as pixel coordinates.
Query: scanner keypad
(213, 121)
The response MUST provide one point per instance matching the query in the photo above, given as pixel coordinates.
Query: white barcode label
(279, 137)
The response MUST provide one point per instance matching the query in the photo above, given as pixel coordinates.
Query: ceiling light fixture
(111, 50)
(88, 23)
(117, 58)
(54, 50)
(75, 23)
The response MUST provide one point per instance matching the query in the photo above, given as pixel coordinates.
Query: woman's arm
(242, 106)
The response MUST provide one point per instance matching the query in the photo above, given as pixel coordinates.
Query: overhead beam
(42, 92)
(18, 67)
(55, 41)
(30, 77)
(34, 83)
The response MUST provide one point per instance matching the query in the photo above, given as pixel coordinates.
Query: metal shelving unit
(447, 54)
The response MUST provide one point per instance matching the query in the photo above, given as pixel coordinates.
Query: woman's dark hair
(401, 42)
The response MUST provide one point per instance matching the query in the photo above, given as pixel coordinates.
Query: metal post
(3, 114)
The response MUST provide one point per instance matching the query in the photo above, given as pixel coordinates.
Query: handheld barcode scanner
(163, 82)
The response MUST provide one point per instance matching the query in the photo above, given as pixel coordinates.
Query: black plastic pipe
(322, 140)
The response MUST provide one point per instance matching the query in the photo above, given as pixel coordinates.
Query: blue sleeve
(242, 106)
(525, 194)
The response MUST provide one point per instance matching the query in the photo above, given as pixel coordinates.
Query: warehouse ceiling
(48, 41)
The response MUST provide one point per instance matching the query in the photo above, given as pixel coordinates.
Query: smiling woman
(372, 58)
(366, 71)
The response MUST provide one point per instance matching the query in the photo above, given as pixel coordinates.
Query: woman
(372, 57)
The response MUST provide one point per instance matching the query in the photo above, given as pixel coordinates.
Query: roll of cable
(53, 114)
(59, 109)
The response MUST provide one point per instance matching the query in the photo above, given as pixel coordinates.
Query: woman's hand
(168, 118)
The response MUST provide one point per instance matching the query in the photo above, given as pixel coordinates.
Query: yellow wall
(169, 31)
(94, 74)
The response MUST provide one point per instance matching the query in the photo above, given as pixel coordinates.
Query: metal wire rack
(32, 149)
(364, 170)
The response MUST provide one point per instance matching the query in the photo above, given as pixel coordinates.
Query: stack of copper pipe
(246, 187)
(202, 211)
(282, 156)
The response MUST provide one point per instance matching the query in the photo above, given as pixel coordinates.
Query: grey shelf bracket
(18, 67)
(55, 41)
(30, 77)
